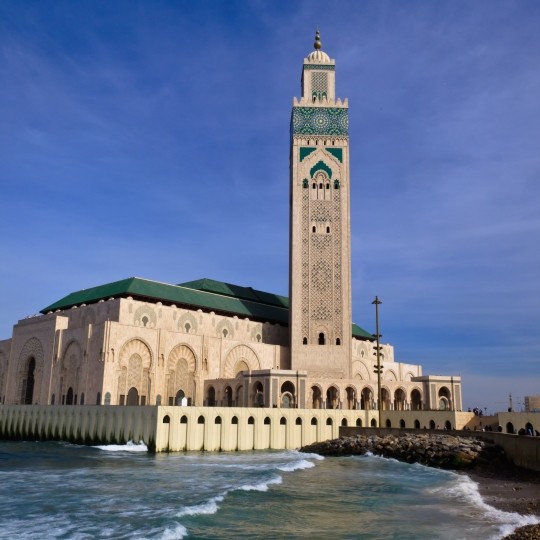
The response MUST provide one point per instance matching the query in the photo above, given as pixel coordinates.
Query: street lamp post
(378, 369)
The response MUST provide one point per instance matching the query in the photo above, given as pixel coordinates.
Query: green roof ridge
(203, 293)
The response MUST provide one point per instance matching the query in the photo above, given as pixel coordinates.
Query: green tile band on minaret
(331, 121)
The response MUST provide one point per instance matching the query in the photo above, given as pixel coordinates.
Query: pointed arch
(240, 353)
(360, 370)
(180, 373)
(135, 361)
(32, 351)
(70, 367)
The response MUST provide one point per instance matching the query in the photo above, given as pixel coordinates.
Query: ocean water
(59, 490)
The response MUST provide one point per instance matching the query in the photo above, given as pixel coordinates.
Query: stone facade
(151, 349)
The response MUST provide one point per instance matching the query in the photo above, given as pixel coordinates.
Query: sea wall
(88, 424)
(172, 428)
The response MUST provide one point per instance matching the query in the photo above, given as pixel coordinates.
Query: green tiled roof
(205, 294)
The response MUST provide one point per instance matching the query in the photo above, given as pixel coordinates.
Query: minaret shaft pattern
(320, 314)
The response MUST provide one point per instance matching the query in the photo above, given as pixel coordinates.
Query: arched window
(52, 399)
(328, 186)
(402, 423)
(251, 421)
(336, 184)
(298, 421)
(388, 423)
(158, 400)
(373, 422)
(98, 398)
(358, 422)
(338, 341)
(432, 424)
(321, 338)
(200, 420)
(329, 422)
(313, 229)
(217, 420)
(314, 186)
(283, 421)
(234, 420)
(305, 183)
(344, 423)
(82, 398)
(183, 420)
(327, 230)
(313, 421)
(267, 421)
(304, 341)
(166, 419)
(144, 320)
(417, 424)
(108, 398)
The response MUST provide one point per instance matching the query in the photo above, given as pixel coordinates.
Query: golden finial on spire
(317, 44)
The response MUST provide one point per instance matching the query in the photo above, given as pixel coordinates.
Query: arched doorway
(510, 428)
(399, 400)
(180, 396)
(385, 395)
(444, 399)
(316, 397)
(28, 383)
(366, 399)
(416, 400)
(288, 395)
(211, 397)
(239, 396)
(228, 396)
(351, 397)
(133, 396)
(258, 395)
(332, 398)
(69, 396)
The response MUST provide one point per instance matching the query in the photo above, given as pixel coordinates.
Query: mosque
(209, 343)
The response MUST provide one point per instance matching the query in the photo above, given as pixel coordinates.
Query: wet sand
(511, 489)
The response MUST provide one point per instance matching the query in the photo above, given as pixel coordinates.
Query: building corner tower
(319, 265)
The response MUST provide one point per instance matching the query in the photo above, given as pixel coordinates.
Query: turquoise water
(57, 490)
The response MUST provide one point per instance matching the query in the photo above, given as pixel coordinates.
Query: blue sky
(151, 139)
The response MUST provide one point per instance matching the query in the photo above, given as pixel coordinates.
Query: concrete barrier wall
(244, 428)
(170, 428)
(523, 451)
(177, 428)
(88, 424)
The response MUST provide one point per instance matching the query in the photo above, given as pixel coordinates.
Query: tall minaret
(320, 260)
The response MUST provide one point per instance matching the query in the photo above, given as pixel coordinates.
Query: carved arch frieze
(240, 353)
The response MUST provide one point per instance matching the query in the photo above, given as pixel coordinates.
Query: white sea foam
(175, 533)
(312, 456)
(206, 508)
(129, 447)
(463, 488)
(296, 465)
(262, 486)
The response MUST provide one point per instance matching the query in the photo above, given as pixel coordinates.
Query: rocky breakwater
(433, 450)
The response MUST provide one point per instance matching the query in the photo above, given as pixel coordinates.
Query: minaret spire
(317, 44)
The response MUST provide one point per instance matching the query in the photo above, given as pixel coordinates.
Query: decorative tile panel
(319, 121)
